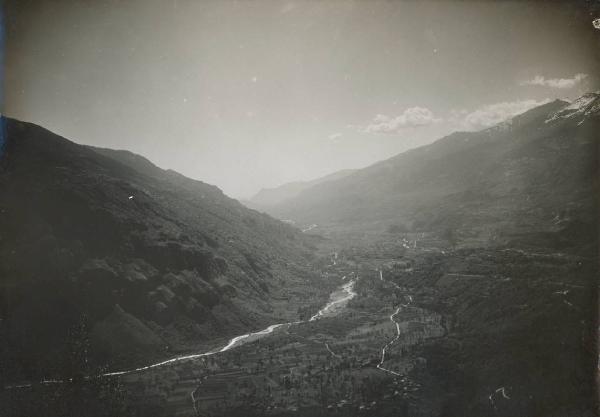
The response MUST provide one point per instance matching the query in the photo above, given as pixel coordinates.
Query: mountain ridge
(494, 166)
(276, 195)
(107, 242)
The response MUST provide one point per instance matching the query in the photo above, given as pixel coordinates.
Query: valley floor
(421, 331)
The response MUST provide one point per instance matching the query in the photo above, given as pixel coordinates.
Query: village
(335, 364)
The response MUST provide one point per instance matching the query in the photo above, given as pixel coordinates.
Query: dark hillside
(142, 261)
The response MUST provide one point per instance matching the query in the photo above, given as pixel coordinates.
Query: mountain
(536, 171)
(267, 197)
(102, 249)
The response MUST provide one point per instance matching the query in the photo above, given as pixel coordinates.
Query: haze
(246, 95)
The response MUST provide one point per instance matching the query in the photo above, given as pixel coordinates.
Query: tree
(449, 234)
(397, 228)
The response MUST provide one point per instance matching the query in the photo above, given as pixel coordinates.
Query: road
(395, 339)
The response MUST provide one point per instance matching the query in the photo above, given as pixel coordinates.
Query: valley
(457, 279)
(407, 343)
(328, 361)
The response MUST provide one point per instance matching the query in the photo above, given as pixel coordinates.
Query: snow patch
(586, 105)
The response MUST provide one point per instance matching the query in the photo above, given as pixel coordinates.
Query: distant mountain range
(534, 173)
(267, 197)
(102, 248)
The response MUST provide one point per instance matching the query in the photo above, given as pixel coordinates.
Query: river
(337, 301)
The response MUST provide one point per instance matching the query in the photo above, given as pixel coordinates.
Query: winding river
(337, 301)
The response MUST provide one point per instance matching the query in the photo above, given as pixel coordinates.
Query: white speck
(309, 228)
(596, 23)
(254, 79)
(130, 197)
(502, 390)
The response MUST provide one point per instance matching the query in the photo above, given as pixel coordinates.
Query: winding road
(398, 333)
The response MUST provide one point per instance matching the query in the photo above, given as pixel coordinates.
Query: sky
(253, 94)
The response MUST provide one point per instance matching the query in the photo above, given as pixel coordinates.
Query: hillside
(268, 197)
(102, 249)
(534, 172)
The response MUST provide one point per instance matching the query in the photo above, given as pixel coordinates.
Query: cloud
(411, 117)
(492, 114)
(556, 82)
(334, 137)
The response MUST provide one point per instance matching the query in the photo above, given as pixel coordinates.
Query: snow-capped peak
(586, 105)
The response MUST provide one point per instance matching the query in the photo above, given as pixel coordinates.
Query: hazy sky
(253, 94)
